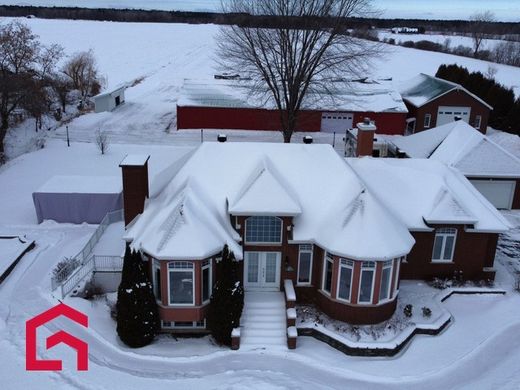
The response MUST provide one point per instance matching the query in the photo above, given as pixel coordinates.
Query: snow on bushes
(137, 312)
(227, 300)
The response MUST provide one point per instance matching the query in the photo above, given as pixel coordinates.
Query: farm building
(227, 104)
(489, 167)
(344, 248)
(433, 102)
(110, 100)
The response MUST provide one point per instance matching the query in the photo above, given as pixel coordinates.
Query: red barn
(228, 104)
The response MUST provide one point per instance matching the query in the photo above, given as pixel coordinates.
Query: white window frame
(300, 251)
(207, 264)
(397, 270)
(445, 233)
(324, 273)
(345, 263)
(279, 242)
(389, 264)
(193, 284)
(478, 122)
(157, 266)
(427, 121)
(366, 267)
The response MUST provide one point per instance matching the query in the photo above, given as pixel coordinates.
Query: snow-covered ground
(451, 40)
(161, 56)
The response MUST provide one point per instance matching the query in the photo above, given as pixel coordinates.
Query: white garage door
(336, 122)
(447, 114)
(499, 193)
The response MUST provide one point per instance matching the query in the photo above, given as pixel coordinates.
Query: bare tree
(24, 67)
(62, 85)
(82, 70)
(298, 59)
(102, 141)
(478, 24)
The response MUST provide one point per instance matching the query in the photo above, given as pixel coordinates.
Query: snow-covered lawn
(163, 55)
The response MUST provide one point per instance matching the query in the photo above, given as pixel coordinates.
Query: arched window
(263, 230)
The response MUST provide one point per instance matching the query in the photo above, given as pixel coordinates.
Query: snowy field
(452, 40)
(161, 56)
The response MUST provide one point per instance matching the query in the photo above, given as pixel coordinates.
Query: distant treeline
(151, 16)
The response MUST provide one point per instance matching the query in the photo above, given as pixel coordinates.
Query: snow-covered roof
(425, 191)
(424, 88)
(459, 145)
(189, 219)
(357, 96)
(110, 92)
(82, 185)
(135, 160)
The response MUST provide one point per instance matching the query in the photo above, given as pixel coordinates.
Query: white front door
(262, 270)
(336, 122)
(448, 114)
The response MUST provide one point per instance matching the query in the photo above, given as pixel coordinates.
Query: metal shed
(110, 100)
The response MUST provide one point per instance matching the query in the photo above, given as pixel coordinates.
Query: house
(433, 102)
(342, 232)
(490, 168)
(226, 103)
(110, 100)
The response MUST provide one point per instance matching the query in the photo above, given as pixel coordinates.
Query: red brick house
(343, 232)
(490, 168)
(228, 104)
(433, 102)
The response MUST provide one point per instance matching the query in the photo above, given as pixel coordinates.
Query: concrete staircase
(263, 321)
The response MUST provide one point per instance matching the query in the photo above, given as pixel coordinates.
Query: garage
(499, 193)
(336, 122)
(447, 114)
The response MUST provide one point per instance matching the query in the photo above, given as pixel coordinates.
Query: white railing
(81, 259)
(93, 264)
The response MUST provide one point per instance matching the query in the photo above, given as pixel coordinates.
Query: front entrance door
(262, 271)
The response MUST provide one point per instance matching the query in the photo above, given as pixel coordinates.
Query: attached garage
(448, 114)
(500, 193)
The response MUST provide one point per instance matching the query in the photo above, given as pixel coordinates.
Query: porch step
(263, 321)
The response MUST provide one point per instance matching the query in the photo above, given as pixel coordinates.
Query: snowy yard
(162, 56)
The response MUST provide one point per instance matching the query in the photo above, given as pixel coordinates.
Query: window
(427, 120)
(305, 264)
(206, 281)
(184, 324)
(397, 269)
(328, 264)
(346, 270)
(181, 280)
(264, 230)
(478, 122)
(367, 281)
(157, 280)
(444, 245)
(386, 281)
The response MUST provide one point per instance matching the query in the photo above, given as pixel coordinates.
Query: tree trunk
(287, 135)
(3, 132)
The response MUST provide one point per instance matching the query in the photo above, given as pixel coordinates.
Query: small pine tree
(137, 312)
(227, 300)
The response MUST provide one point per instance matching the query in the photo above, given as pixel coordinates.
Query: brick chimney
(135, 185)
(365, 137)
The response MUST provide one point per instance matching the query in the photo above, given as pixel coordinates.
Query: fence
(85, 263)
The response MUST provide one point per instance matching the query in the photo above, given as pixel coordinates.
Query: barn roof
(364, 95)
(423, 89)
(459, 145)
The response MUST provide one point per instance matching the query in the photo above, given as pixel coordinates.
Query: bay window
(346, 270)
(181, 278)
(366, 286)
(305, 264)
(444, 245)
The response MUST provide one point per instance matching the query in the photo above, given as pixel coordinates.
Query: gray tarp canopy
(78, 199)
